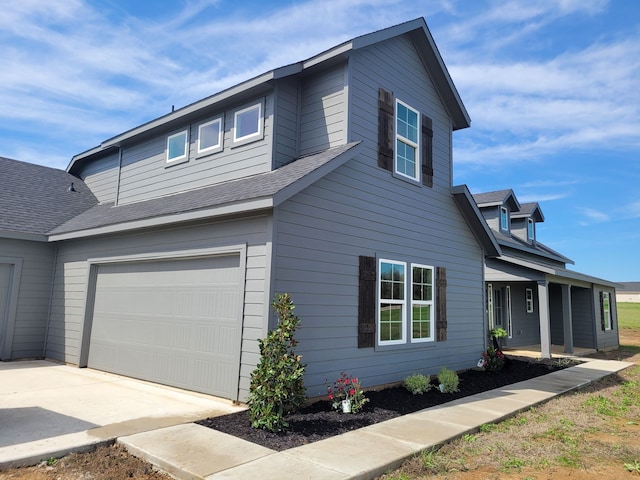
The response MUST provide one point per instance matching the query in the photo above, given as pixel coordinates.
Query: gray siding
(101, 176)
(525, 327)
(519, 228)
(582, 318)
(72, 269)
(146, 174)
(323, 111)
(606, 339)
(361, 210)
(395, 66)
(286, 125)
(29, 323)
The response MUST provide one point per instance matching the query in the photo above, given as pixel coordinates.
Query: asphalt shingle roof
(36, 199)
(259, 186)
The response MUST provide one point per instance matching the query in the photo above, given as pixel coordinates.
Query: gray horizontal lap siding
(582, 318)
(146, 174)
(351, 212)
(72, 268)
(323, 111)
(101, 176)
(33, 295)
(605, 338)
(286, 125)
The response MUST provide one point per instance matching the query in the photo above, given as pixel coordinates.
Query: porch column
(545, 323)
(567, 322)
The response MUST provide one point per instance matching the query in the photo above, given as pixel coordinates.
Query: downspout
(50, 306)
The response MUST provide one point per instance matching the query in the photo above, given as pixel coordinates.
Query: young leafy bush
(449, 380)
(277, 383)
(418, 383)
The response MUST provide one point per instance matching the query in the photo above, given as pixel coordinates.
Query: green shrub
(277, 383)
(418, 383)
(449, 380)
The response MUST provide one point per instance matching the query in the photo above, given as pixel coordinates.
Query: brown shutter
(385, 129)
(367, 303)
(441, 304)
(602, 324)
(427, 151)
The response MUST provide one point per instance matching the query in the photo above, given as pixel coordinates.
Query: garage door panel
(172, 322)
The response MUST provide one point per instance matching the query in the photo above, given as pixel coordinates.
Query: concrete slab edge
(35, 458)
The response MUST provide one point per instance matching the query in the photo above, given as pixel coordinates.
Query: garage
(176, 322)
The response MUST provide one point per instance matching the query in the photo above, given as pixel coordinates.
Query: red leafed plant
(346, 388)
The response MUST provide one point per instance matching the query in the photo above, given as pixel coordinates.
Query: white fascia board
(230, 209)
(32, 237)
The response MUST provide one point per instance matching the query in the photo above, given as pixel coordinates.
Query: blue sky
(552, 88)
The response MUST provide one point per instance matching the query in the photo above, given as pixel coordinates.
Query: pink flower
(352, 392)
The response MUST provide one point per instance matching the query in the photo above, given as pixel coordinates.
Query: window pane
(209, 135)
(177, 146)
(421, 321)
(247, 122)
(422, 284)
(406, 159)
(390, 322)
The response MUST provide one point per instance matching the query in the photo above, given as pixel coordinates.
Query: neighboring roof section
(497, 198)
(475, 220)
(261, 191)
(416, 29)
(532, 210)
(629, 287)
(36, 199)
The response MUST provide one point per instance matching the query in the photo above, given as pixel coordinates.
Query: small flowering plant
(492, 360)
(346, 388)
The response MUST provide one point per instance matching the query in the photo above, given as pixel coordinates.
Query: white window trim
(214, 148)
(403, 339)
(416, 145)
(253, 136)
(529, 300)
(431, 337)
(184, 156)
(490, 311)
(531, 234)
(508, 311)
(607, 311)
(506, 217)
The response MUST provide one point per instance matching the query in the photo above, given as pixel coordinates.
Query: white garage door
(175, 322)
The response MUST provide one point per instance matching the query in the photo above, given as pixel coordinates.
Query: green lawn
(629, 316)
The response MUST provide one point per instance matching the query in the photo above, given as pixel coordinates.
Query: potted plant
(346, 394)
(498, 334)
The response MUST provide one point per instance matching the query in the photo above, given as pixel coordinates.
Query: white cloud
(593, 216)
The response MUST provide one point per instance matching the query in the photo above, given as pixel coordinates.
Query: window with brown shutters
(387, 138)
(408, 304)
(367, 303)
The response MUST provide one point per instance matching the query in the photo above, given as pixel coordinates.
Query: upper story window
(531, 229)
(407, 143)
(247, 123)
(210, 136)
(177, 146)
(504, 219)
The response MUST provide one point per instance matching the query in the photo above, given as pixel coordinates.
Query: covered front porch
(549, 311)
(557, 351)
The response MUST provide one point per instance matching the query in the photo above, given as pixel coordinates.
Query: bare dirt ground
(539, 444)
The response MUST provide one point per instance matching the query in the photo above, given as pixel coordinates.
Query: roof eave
(476, 221)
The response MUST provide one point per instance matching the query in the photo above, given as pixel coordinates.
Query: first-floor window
(421, 303)
(392, 305)
(606, 310)
(529, 300)
(405, 304)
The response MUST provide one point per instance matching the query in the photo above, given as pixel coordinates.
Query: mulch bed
(318, 421)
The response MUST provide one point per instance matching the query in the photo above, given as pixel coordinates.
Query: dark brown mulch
(317, 421)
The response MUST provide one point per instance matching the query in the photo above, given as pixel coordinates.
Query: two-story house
(529, 291)
(329, 179)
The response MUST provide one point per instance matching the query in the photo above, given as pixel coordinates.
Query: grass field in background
(629, 316)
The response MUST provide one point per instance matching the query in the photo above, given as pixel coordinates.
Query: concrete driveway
(48, 409)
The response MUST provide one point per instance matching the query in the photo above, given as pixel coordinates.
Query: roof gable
(497, 198)
(529, 210)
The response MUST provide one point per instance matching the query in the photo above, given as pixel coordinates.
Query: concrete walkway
(190, 451)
